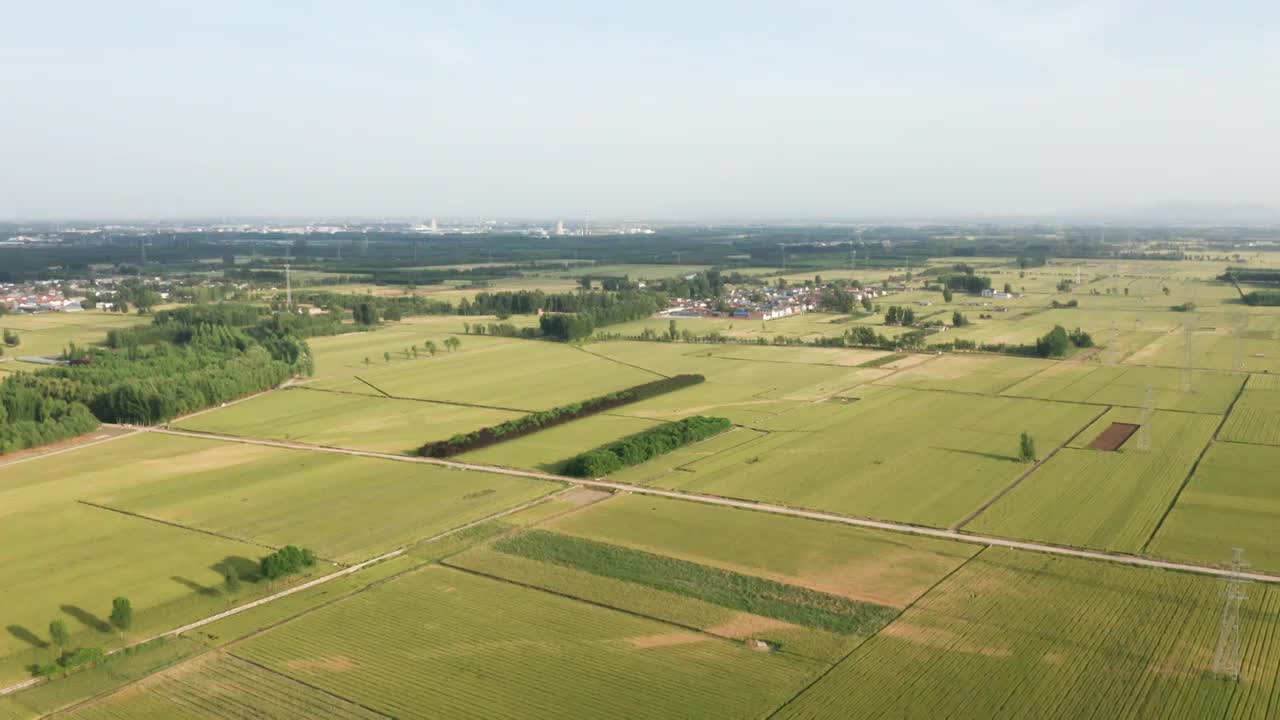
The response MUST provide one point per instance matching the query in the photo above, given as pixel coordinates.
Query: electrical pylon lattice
(1229, 655)
(1144, 425)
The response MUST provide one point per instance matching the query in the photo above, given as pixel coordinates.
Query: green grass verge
(790, 603)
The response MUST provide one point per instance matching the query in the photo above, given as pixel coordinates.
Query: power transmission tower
(1229, 655)
(288, 288)
(782, 248)
(1144, 425)
(1186, 359)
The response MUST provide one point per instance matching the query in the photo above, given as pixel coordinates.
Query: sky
(692, 109)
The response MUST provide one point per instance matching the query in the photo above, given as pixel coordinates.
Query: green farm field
(1110, 500)
(1210, 392)
(275, 497)
(497, 373)
(1230, 502)
(839, 456)
(344, 355)
(345, 420)
(684, 542)
(1255, 418)
(218, 685)
(549, 450)
(857, 563)
(493, 649)
(48, 334)
(188, 509)
(1016, 635)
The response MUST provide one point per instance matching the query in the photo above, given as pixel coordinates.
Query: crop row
(533, 422)
(1015, 635)
(489, 649)
(222, 687)
(725, 588)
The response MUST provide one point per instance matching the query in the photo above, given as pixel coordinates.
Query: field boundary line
(413, 399)
(890, 526)
(375, 387)
(304, 683)
(621, 362)
(868, 639)
(282, 386)
(304, 586)
(179, 526)
(1038, 399)
(614, 608)
(1195, 465)
(78, 446)
(1018, 480)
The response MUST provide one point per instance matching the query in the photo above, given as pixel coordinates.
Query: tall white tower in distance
(559, 227)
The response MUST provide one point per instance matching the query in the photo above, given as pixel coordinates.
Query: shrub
(533, 422)
(643, 446)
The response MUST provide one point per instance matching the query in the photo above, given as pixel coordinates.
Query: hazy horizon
(754, 110)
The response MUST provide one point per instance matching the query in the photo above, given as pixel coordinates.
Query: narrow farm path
(944, 534)
(304, 586)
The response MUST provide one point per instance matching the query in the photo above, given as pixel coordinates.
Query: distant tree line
(184, 361)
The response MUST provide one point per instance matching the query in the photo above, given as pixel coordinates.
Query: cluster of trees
(286, 561)
(840, 300)
(964, 279)
(606, 309)
(186, 360)
(11, 338)
(1058, 341)
(500, 329)
(29, 418)
(702, 286)
(1268, 298)
(643, 446)
(69, 661)
(1183, 307)
(899, 316)
(1262, 276)
(1070, 304)
(958, 319)
(429, 347)
(534, 422)
(1027, 448)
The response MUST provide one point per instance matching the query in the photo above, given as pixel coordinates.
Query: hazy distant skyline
(657, 109)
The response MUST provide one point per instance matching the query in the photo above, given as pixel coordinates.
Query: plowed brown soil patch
(1114, 436)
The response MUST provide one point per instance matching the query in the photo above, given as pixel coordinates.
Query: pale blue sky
(688, 109)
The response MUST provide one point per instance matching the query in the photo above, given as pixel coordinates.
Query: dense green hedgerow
(725, 588)
(643, 446)
(533, 422)
(286, 561)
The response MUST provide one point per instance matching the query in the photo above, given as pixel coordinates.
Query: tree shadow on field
(242, 567)
(989, 456)
(86, 618)
(196, 587)
(27, 636)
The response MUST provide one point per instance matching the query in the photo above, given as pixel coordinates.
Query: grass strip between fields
(759, 596)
